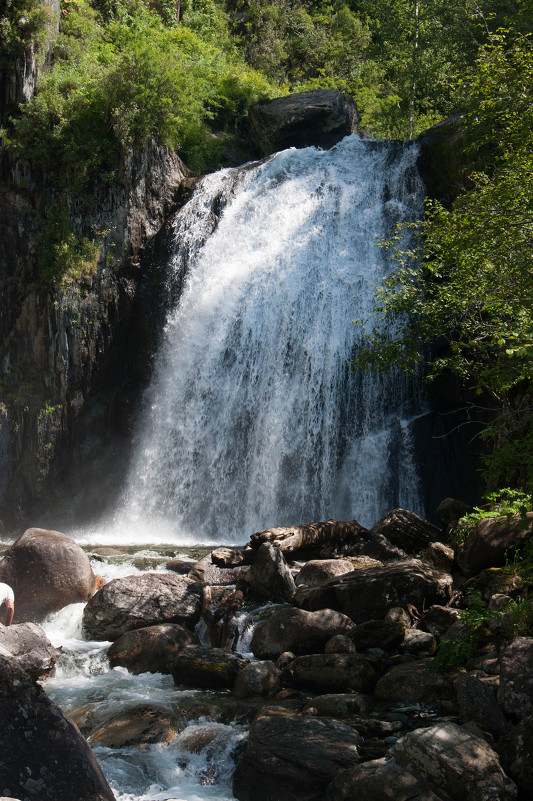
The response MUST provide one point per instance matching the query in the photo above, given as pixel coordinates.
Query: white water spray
(255, 418)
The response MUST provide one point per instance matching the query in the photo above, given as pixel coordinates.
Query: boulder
(440, 556)
(489, 542)
(380, 548)
(334, 673)
(477, 702)
(406, 530)
(368, 594)
(28, 645)
(338, 705)
(206, 572)
(257, 678)
(381, 780)
(451, 510)
(515, 693)
(215, 668)
(293, 757)
(152, 649)
(44, 756)
(299, 631)
(387, 635)
(419, 642)
(515, 753)
(316, 571)
(142, 724)
(47, 571)
(413, 681)
(232, 557)
(269, 578)
(463, 765)
(340, 644)
(320, 117)
(438, 619)
(135, 602)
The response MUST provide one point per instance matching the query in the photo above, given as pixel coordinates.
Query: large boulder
(257, 678)
(207, 572)
(515, 693)
(381, 780)
(269, 578)
(44, 757)
(28, 645)
(478, 704)
(489, 542)
(320, 117)
(135, 602)
(368, 594)
(463, 765)
(406, 530)
(334, 673)
(414, 681)
(47, 571)
(152, 649)
(316, 571)
(293, 757)
(299, 631)
(515, 752)
(140, 724)
(210, 668)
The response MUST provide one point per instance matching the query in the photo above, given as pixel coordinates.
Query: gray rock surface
(28, 646)
(151, 649)
(269, 578)
(381, 780)
(334, 673)
(135, 602)
(490, 540)
(257, 678)
(299, 631)
(515, 693)
(320, 117)
(214, 668)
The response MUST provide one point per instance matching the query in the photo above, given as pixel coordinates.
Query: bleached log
(294, 538)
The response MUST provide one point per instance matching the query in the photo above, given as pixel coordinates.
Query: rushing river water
(254, 418)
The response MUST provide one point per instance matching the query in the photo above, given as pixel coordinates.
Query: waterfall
(254, 417)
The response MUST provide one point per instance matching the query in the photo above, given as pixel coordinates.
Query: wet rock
(232, 557)
(181, 566)
(44, 756)
(257, 678)
(477, 702)
(381, 780)
(197, 737)
(340, 644)
(293, 757)
(298, 631)
(206, 572)
(338, 705)
(413, 681)
(135, 602)
(441, 556)
(387, 635)
(151, 649)
(515, 694)
(196, 666)
(28, 645)
(464, 765)
(490, 540)
(316, 571)
(142, 724)
(515, 752)
(334, 673)
(369, 594)
(320, 117)
(47, 571)
(406, 530)
(269, 578)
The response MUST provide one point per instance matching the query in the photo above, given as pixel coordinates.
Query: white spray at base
(255, 418)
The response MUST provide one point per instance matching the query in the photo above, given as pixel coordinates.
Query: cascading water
(255, 418)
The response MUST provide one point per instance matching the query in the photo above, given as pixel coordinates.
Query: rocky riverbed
(373, 663)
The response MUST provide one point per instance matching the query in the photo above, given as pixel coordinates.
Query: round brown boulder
(47, 571)
(152, 649)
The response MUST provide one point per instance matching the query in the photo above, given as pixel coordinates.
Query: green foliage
(67, 260)
(456, 653)
(468, 281)
(500, 503)
(116, 84)
(21, 22)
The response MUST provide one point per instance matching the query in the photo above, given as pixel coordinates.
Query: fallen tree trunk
(294, 538)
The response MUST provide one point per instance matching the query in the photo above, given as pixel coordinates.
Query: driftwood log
(294, 538)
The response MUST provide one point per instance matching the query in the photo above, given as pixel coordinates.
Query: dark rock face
(214, 668)
(44, 757)
(406, 530)
(381, 780)
(28, 646)
(135, 602)
(275, 767)
(369, 594)
(515, 752)
(491, 539)
(257, 678)
(320, 117)
(152, 649)
(441, 158)
(334, 673)
(47, 571)
(269, 578)
(299, 631)
(515, 694)
(478, 704)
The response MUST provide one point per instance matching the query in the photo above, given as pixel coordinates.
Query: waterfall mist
(254, 417)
